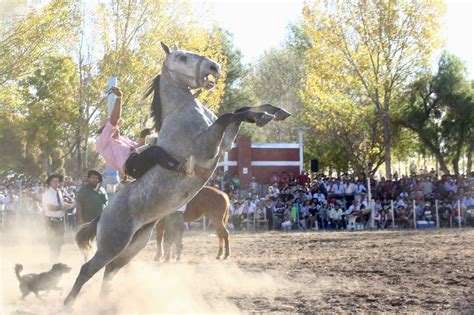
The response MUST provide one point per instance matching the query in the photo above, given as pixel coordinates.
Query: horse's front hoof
(69, 301)
(226, 257)
(281, 114)
(264, 119)
(157, 258)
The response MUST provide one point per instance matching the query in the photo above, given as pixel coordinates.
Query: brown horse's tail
(86, 234)
(227, 210)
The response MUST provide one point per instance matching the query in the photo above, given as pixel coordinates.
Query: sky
(258, 25)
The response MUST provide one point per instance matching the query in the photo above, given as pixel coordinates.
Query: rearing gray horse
(186, 128)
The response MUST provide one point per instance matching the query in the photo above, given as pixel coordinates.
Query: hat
(94, 172)
(50, 177)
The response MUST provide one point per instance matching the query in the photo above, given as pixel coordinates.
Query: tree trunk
(469, 162)
(387, 142)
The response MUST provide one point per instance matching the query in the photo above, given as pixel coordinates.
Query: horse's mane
(156, 110)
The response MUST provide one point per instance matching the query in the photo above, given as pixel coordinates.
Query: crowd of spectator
(302, 202)
(21, 200)
(325, 202)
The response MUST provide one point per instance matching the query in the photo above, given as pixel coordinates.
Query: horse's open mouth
(209, 81)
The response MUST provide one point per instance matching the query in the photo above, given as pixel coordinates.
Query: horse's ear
(175, 48)
(165, 48)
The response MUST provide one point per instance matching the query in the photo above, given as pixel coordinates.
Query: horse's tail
(86, 234)
(18, 269)
(227, 209)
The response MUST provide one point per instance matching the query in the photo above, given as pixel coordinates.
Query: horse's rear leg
(160, 231)
(110, 243)
(138, 242)
(225, 236)
(89, 269)
(223, 241)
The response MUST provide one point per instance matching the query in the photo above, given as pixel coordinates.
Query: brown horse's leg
(226, 241)
(220, 229)
(159, 230)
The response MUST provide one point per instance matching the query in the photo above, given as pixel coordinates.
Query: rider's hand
(117, 91)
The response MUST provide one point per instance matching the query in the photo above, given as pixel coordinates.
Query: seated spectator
(313, 212)
(402, 219)
(287, 196)
(383, 221)
(302, 179)
(304, 215)
(279, 214)
(427, 213)
(335, 216)
(319, 196)
(269, 210)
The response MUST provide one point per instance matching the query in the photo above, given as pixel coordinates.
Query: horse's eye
(183, 58)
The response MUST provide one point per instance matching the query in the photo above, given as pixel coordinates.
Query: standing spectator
(236, 182)
(11, 206)
(275, 179)
(302, 179)
(269, 208)
(338, 189)
(349, 191)
(226, 182)
(253, 185)
(313, 212)
(54, 205)
(91, 198)
(284, 180)
(359, 190)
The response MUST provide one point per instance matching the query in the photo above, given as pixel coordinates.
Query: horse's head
(190, 70)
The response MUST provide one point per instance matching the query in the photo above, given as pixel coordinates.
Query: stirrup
(189, 166)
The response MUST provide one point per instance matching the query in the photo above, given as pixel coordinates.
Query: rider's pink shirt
(114, 151)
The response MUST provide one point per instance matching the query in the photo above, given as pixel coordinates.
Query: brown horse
(209, 202)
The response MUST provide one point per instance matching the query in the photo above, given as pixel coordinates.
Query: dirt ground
(313, 272)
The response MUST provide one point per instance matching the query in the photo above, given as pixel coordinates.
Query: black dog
(44, 281)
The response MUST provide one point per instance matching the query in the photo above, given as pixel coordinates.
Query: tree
(50, 111)
(276, 79)
(368, 52)
(27, 37)
(235, 95)
(439, 109)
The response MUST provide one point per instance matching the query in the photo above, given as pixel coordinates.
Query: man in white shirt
(54, 208)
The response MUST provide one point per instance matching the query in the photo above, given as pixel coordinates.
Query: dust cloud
(199, 285)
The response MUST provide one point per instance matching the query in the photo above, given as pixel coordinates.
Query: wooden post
(459, 213)
(437, 214)
(414, 213)
(393, 214)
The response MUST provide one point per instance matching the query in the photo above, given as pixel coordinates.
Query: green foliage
(361, 56)
(439, 109)
(24, 40)
(276, 79)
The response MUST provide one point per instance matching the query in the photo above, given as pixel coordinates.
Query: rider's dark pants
(139, 164)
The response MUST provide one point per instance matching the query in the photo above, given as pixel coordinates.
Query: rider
(121, 153)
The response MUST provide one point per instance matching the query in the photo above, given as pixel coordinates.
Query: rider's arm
(117, 111)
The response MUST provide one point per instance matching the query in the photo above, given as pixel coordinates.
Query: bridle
(196, 78)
